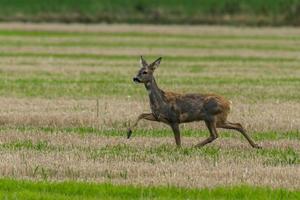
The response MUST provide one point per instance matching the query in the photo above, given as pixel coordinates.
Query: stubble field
(67, 99)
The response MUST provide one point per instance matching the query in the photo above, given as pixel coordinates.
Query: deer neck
(155, 94)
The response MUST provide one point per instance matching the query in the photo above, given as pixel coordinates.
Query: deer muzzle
(136, 80)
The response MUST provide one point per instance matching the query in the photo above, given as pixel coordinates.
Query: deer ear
(143, 62)
(155, 64)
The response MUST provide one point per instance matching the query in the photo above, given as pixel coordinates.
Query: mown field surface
(52, 77)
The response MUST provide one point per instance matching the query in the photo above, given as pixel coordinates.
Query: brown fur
(173, 109)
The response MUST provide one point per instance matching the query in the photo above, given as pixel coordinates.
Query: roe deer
(173, 109)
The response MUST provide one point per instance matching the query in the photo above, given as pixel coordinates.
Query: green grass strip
(29, 33)
(260, 136)
(102, 88)
(22, 189)
(145, 44)
(132, 58)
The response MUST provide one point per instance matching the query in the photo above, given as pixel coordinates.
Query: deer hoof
(129, 132)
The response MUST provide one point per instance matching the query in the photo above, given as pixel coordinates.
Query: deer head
(145, 74)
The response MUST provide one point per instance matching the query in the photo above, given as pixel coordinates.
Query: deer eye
(144, 72)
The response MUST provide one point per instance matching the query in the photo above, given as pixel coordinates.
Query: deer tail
(230, 105)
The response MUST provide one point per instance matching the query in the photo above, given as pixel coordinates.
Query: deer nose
(136, 80)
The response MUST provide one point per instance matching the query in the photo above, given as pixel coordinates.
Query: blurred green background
(236, 12)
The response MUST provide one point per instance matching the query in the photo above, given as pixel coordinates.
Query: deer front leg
(176, 131)
(147, 116)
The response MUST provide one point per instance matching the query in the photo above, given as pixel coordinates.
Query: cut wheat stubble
(282, 116)
(147, 169)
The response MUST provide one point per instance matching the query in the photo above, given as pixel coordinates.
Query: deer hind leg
(147, 116)
(211, 125)
(238, 127)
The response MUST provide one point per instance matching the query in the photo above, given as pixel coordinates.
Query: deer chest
(163, 113)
